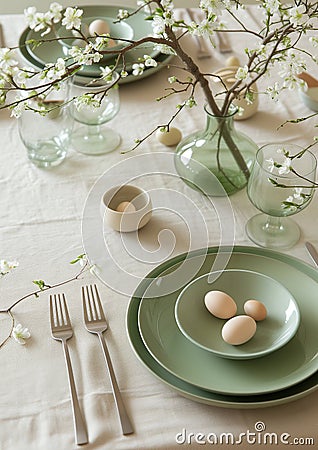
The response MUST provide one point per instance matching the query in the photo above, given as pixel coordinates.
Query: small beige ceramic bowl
(126, 221)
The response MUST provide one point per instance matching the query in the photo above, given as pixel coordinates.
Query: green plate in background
(301, 280)
(49, 52)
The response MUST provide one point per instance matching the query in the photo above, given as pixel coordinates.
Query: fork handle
(126, 425)
(79, 424)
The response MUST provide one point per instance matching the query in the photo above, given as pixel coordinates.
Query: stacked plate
(285, 369)
(135, 26)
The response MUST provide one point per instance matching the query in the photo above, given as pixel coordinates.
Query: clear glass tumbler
(46, 137)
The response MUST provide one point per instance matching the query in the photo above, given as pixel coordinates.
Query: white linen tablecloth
(41, 214)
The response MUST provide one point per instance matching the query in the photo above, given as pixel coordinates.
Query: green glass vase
(216, 160)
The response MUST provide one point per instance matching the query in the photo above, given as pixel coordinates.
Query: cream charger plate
(159, 334)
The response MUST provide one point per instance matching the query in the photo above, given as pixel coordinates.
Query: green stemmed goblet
(281, 184)
(98, 104)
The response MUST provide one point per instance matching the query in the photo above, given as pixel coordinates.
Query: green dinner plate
(117, 30)
(49, 52)
(205, 330)
(301, 280)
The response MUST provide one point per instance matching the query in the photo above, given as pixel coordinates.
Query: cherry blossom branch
(45, 287)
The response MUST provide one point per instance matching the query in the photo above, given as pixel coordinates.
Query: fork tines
(58, 311)
(93, 310)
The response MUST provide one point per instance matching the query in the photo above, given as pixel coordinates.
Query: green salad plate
(205, 330)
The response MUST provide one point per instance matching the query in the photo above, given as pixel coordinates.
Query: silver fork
(223, 43)
(62, 331)
(95, 322)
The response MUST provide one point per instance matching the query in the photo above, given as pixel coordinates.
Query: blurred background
(17, 6)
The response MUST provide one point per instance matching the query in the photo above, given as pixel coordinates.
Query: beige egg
(255, 309)
(126, 207)
(169, 138)
(238, 330)
(98, 26)
(233, 61)
(220, 304)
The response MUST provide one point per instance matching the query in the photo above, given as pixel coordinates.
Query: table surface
(41, 219)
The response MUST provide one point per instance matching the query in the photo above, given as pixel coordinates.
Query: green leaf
(82, 256)
(40, 283)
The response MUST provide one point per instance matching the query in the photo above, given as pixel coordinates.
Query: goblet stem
(94, 130)
(273, 232)
(273, 225)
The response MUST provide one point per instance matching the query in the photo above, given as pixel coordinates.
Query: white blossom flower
(30, 16)
(285, 167)
(149, 61)
(56, 71)
(86, 101)
(17, 110)
(72, 18)
(167, 5)
(55, 12)
(138, 69)
(161, 21)
(190, 102)
(20, 334)
(291, 65)
(205, 28)
(158, 25)
(314, 41)
(21, 103)
(242, 73)
(165, 49)
(272, 6)
(296, 200)
(143, 2)
(86, 56)
(23, 74)
(274, 91)
(124, 74)
(42, 22)
(122, 14)
(297, 15)
(7, 266)
(172, 80)
(214, 7)
(107, 73)
(299, 196)
(82, 260)
(271, 164)
(145, 5)
(7, 59)
(100, 42)
(282, 168)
